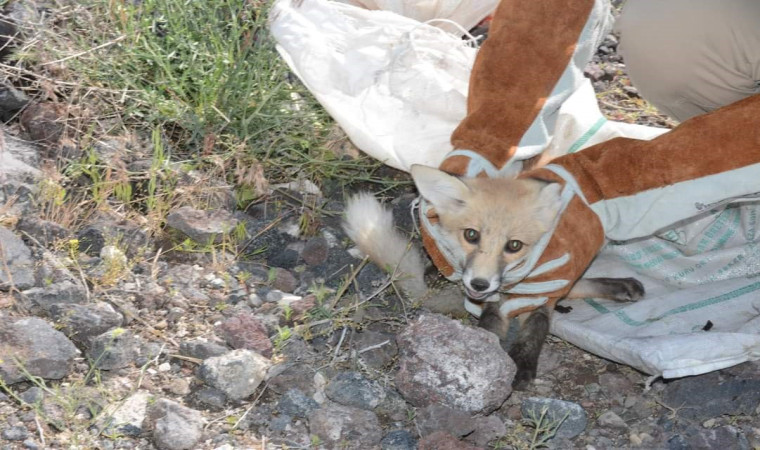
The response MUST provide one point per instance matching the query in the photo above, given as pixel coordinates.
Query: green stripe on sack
(587, 135)
(626, 319)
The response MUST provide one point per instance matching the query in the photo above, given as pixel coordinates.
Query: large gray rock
(81, 323)
(339, 426)
(572, 415)
(295, 403)
(706, 396)
(441, 440)
(44, 231)
(114, 349)
(11, 100)
(487, 429)
(237, 373)
(354, 389)
(697, 437)
(398, 440)
(16, 263)
(443, 361)
(18, 172)
(201, 226)
(201, 349)
(41, 351)
(376, 349)
(175, 427)
(434, 418)
(127, 417)
(43, 298)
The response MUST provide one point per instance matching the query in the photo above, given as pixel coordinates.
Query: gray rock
(175, 427)
(611, 420)
(208, 398)
(376, 349)
(353, 389)
(17, 433)
(201, 226)
(434, 418)
(32, 396)
(127, 417)
(245, 331)
(201, 349)
(41, 350)
(83, 322)
(296, 404)
(280, 423)
(107, 229)
(16, 263)
(43, 298)
(45, 231)
(19, 175)
(393, 407)
(487, 429)
(706, 396)
(575, 417)
(398, 440)
(287, 376)
(344, 426)
(237, 373)
(444, 361)
(441, 440)
(114, 349)
(11, 99)
(725, 437)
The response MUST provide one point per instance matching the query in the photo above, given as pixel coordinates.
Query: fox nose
(480, 284)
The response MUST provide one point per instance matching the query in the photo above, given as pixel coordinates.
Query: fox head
(496, 221)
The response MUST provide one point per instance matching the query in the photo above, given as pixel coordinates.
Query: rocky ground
(263, 328)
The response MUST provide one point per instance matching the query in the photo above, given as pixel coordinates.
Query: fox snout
(478, 287)
(479, 284)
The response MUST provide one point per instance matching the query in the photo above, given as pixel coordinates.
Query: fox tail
(370, 225)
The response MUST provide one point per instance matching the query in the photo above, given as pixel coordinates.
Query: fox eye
(472, 236)
(513, 246)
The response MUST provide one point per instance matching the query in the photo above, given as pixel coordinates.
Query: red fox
(495, 221)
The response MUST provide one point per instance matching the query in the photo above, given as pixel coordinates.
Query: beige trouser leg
(688, 57)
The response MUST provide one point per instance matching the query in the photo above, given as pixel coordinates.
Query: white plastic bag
(466, 13)
(396, 86)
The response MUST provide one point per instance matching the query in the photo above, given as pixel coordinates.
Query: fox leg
(619, 289)
(534, 326)
(524, 351)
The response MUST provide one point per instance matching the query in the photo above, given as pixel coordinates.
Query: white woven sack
(466, 13)
(396, 86)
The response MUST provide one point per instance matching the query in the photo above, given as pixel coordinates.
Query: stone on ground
(237, 373)
(443, 361)
(16, 263)
(572, 415)
(37, 347)
(339, 426)
(175, 427)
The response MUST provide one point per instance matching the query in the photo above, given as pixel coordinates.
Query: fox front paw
(620, 289)
(523, 379)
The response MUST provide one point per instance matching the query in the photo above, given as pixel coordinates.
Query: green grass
(198, 85)
(206, 72)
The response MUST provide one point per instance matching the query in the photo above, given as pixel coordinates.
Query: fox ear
(445, 192)
(549, 202)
